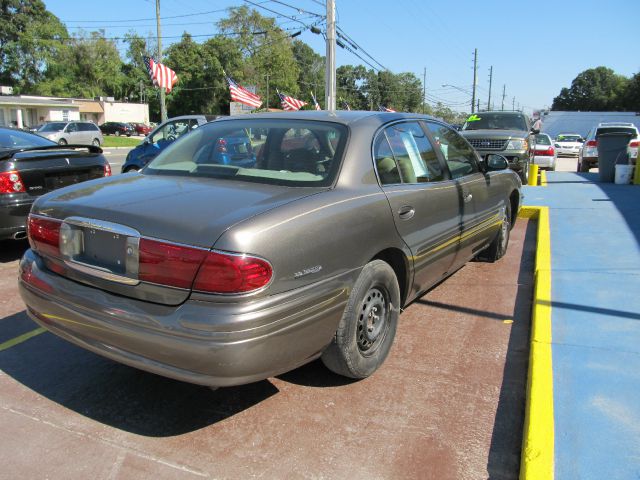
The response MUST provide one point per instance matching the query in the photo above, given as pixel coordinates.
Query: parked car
(544, 153)
(505, 133)
(568, 144)
(117, 129)
(31, 166)
(72, 133)
(221, 275)
(141, 128)
(588, 156)
(160, 138)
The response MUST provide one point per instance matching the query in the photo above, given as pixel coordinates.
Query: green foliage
(596, 89)
(29, 39)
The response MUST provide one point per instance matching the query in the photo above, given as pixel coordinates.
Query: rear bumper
(209, 343)
(14, 210)
(544, 161)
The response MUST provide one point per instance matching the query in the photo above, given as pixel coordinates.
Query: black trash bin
(612, 149)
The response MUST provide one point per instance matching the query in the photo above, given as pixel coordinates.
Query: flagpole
(163, 107)
(330, 71)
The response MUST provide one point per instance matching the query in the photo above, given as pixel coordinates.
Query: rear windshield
(543, 140)
(568, 138)
(16, 139)
(495, 121)
(53, 127)
(279, 152)
(630, 130)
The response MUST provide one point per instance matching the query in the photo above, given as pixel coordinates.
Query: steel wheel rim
(505, 231)
(373, 320)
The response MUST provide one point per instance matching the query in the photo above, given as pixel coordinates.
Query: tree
(596, 89)
(30, 36)
(266, 50)
(312, 68)
(350, 83)
(631, 96)
(86, 66)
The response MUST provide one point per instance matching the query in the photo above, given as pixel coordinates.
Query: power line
(297, 8)
(355, 44)
(274, 11)
(151, 19)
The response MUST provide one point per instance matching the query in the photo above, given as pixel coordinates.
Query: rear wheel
(524, 173)
(62, 141)
(583, 166)
(368, 325)
(499, 245)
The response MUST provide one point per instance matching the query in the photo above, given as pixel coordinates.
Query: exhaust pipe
(21, 235)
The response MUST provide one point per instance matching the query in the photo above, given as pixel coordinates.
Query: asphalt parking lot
(448, 402)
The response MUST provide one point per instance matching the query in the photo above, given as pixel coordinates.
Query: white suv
(588, 157)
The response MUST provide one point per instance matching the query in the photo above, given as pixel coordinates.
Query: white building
(23, 111)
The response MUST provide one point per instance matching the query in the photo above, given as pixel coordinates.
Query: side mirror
(146, 140)
(496, 162)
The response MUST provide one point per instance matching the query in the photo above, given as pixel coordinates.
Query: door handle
(406, 212)
(467, 197)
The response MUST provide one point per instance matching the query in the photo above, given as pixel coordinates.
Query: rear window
(543, 140)
(279, 152)
(568, 138)
(631, 130)
(16, 139)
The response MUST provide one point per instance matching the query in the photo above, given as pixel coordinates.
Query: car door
(71, 133)
(480, 193)
(425, 202)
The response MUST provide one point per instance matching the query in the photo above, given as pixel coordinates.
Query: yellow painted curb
(537, 459)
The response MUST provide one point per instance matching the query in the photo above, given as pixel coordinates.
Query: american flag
(161, 75)
(385, 109)
(242, 95)
(315, 102)
(290, 104)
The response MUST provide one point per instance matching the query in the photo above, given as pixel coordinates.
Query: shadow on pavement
(315, 374)
(12, 250)
(506, 439)
(120, 396)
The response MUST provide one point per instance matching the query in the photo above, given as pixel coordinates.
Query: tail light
(634, 144)
(549, 152)
(212, 272)
(107, 169)
(11, 182)
(221, 146)
(592, 143)
(44, 235)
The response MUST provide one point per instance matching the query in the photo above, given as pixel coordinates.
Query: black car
(31, 166)
(117, 129)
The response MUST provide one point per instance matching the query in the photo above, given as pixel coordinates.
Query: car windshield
(543, 140)
(271, 151)
(53, 127)
(568, 138)
(495, 121)
(16, 140)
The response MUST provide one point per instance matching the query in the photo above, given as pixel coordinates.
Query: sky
(535, 47)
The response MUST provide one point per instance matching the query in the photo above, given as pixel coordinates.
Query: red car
(141, 128)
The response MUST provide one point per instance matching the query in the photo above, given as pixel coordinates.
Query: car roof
(345, 117)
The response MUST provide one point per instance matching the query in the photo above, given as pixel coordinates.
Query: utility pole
(330, 73)
(424, 89)
(163, 106)
(475, 78)
(504, 94)
(490, 80)
(478, 109)
(513, 105)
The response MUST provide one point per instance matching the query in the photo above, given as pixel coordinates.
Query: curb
(537, 459)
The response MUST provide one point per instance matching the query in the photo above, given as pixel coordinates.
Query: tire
(498, 247)
(524, 173)
(96, 142)
(117, 133)
(361, 345)
(62, 141)
(583, 167)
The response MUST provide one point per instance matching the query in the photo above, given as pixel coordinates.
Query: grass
(111, 141)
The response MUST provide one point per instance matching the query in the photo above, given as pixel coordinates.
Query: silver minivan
(72, 133)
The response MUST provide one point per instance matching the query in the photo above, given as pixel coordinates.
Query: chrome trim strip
(99, 272)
